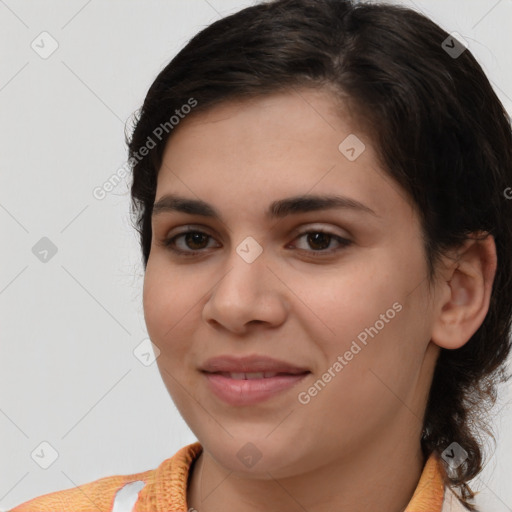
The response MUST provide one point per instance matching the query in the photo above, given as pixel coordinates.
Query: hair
(439, 130)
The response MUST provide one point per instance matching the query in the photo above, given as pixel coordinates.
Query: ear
(463, 292)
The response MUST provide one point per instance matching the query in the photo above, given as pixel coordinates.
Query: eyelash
(169, 243)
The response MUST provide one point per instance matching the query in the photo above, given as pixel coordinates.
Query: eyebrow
(278, 209)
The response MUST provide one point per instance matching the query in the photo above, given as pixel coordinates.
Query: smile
(239, 388)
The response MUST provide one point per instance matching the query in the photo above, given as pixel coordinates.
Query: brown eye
(319, 241)
(195, 240)
(192, 243)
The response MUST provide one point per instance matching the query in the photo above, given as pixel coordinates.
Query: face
(339, 292)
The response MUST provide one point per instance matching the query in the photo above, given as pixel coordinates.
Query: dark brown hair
(438, 127)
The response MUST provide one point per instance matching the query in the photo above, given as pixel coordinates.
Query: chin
(256, 456)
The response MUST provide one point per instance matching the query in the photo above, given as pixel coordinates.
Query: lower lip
(249, 392)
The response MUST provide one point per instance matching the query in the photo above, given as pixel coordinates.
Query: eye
(194, 239)
(194, 242)
(319, 240)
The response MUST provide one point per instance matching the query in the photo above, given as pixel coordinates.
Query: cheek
(165, 301)
(169, 327)
(172, 309)
(383, 354)
(152, 299)
(349, 301)
(374, 379)
(375, 317)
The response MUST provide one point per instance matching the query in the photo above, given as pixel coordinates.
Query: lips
(249, 380)
(250, 365)
(251, 375)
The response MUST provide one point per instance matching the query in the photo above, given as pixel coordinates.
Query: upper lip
(249, 364)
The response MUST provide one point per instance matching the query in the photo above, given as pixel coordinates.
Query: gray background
(70, 324)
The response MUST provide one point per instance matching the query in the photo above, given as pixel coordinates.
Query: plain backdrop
(74, 396)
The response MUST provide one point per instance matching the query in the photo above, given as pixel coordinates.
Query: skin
(362, 430)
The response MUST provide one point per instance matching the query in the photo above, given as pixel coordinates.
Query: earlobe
(464, 292)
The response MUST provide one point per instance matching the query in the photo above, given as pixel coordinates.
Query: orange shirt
(164, 489)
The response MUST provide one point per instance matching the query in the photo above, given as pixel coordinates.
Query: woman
(320, 192)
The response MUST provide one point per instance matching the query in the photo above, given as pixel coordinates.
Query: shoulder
(451, 503)
(97, 495)
(168, 480)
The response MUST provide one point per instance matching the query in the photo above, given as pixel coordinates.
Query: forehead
(284, 144)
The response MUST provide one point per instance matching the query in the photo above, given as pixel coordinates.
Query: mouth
(254, 375)
(250, 388)
(250, 365)
(249, 380)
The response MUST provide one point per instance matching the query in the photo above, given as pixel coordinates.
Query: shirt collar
(428, 495)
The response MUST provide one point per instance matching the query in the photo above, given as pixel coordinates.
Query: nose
(246, 294)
